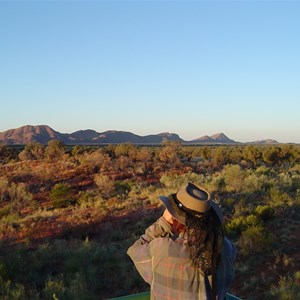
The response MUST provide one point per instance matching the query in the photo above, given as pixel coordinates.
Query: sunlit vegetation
(68, 214)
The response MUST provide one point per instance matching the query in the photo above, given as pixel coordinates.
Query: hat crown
(195, 198)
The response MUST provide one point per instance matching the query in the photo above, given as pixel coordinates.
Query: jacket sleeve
(139, 252)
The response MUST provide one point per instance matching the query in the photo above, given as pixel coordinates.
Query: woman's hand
(168, 217)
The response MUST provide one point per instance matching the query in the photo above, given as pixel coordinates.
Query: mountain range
(43, 134)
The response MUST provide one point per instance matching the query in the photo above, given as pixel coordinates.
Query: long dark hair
(205, 240)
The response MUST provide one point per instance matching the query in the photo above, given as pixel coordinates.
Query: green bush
(279, 198)
(241, 208)
(54, 288)
(122, 187)
(20, 198)
(217, 183)
(234, 178)
(15, 197)
(95, 161)
(239, 224)
(32, 151)
(176, 181)
(264, 212)
(11, 291)
(54, 150)
(251, 183)
(61, 195)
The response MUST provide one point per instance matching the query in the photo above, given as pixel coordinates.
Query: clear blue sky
(187, 67)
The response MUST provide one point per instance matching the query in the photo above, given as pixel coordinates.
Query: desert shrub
(262, 170)
(19, 196)
(238, 224)
(86, 199)
(264, 212)
(4, 184)
(169, 155)
(122, 187)
(125, 149)
(264, 183)
(254, 240)
(279, 198)
(11, 291)
(15, 196)
(123, 163)
(5, 210)
(61, 195)
(9, 153)
(105, 184)
(32, 151)
(143, 154)
(228, 202)
(136, 190)
(235, 155)
(252, 184)
(219, 155)
(234, 178)
(54, 150)
(289, 181)
(285, 180)
(271, 155)
(252, 154)
(78, 288)
(78, 150)
(240, 208)
(54, 288)
(288, 288)
(177, 181)
(217, 183)
(97, 160)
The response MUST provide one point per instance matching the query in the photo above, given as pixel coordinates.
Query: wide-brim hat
(190, 199)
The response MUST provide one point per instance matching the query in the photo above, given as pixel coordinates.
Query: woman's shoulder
(169, 247)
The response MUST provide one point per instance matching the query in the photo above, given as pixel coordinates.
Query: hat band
(184, 208)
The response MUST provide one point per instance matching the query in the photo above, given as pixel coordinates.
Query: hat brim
(180, 216)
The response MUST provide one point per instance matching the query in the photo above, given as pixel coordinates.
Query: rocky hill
(267, 141)
(219, 138)
(43, 134)
(28, 133)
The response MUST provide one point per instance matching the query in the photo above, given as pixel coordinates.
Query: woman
(184, 254)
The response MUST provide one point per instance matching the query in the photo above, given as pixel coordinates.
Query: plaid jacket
(163, 261)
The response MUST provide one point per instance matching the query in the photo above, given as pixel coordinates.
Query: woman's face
(177, 227)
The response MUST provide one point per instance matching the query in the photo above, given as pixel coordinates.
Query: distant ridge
(29, 133)
(214, 139)
(268, 141)
(43, 134)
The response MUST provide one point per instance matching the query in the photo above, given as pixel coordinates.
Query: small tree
(234, 177)
(124, 149)
(219, 156)
(8, 153)
(96, 160)
(32, 151)
(271, 155)
(169, 154)
(252, 154)
(55, 149)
